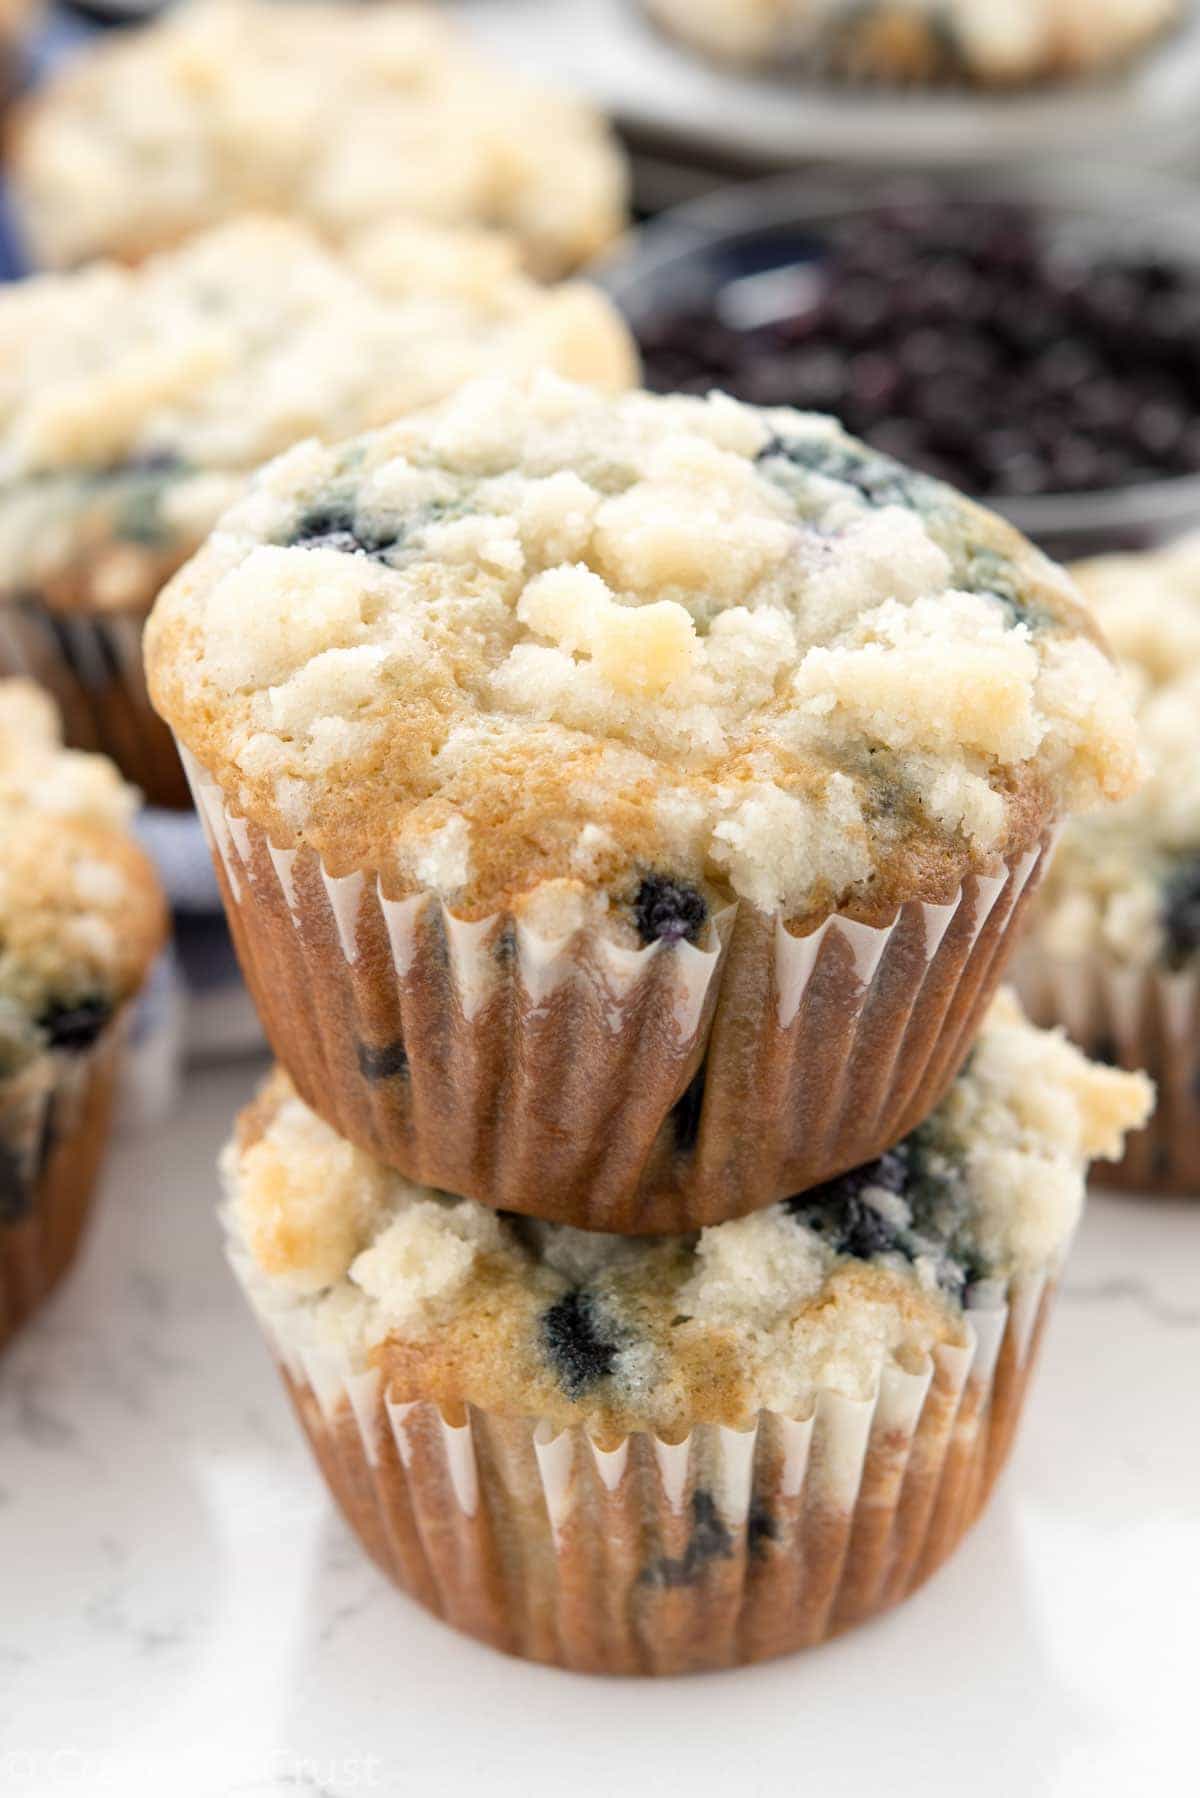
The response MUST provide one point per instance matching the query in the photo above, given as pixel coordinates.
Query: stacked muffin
(81, 918)
(1115, 951)
(624, 808)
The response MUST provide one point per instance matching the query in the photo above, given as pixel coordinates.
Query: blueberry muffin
(660, 1455)
(1115, 954)
(81, 918)
(622, 805)
(987, 43)
(346, 117)
(134, 401)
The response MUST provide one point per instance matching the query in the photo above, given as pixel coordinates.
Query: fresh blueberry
(668, 911)
(1181, 912)
(576, 1342)
(75, 1028)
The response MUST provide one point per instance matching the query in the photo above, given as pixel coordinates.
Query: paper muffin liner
(92, 663)
(654, 1557)
(1134, 1018)
(641, 1091)
(54, 1127)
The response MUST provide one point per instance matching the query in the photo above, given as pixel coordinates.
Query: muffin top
(346, 116)
(1128, 883)
(133, 401)
(996, 41)
(81, 915)
(463, 1305)
(536, 648)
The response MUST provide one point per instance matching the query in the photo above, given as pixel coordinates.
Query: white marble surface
(181, 1612)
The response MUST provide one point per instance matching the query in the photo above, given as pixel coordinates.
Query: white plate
(608, 50)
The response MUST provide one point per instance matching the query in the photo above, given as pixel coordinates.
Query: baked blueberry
(75, 1027)
(16, 1189)
(576, 1342)
(334, 526)
(709, 1541)
(880, 479)
(685, 1113)
(668, 911)
(1181, 911)
(382, 1063)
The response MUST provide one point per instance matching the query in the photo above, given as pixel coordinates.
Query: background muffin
(632, 797)
(132, 403)
(81, 918)
(657, 1456)
(1018, 41)
(1115, 954)
(346, 117)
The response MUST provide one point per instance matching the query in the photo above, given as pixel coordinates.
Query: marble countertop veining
(181, 1612)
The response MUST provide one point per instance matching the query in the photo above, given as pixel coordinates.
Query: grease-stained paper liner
(640, 1091)
(92, 663)
(1135, 1018)
(54, 1127)
(645, 1556)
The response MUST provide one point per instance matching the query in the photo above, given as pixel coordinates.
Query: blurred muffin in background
(633, 1456)
(1115, 950)
(988, 43)
(344, 117)
(81, 918)
(134, 401)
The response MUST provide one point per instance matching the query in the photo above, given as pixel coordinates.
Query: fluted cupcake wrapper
(640, 1091)
(1135, 1018)
(54, 1126)
(652, 1557)
(92, 663)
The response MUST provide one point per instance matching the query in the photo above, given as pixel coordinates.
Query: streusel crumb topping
(458, 1303)
(536, 647)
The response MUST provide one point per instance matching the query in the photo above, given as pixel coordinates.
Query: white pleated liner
(541, 1074)
(825, 1518)
(1143, 1018)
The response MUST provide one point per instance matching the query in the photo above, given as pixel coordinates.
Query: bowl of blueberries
(1036, 344)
